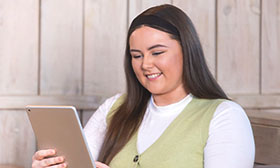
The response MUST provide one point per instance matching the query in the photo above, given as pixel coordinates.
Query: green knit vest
(181, 145)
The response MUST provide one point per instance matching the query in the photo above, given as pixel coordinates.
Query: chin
(155, 92)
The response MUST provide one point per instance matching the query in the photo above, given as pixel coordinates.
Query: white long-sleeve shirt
(230, 143)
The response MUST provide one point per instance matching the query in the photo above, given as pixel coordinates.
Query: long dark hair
(197, 80)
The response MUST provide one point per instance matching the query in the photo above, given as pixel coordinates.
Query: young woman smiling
(173, 114)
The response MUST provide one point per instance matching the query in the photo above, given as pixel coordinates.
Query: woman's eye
(136, 56)
(158, 53)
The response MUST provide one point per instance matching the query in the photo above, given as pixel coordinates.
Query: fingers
(51, 161)
(47, 158)
(100, 165)
(64, 165)
(41, 154)
(54, 162)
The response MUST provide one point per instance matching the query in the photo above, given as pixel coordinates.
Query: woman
(174, 113)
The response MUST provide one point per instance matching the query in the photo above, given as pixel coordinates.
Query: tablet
(59, 127)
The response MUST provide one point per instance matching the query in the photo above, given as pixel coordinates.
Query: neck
(170, 98)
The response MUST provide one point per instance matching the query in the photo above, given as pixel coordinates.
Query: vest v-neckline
(165, 132)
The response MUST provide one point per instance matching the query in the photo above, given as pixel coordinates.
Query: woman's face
(157, 61)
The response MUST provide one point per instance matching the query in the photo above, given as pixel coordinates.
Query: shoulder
(228, 104)
(230, 109)
(230, 120)
(116, 102)
(99, 116)
(206, 107)
(206, 103)
(230, 138)
(231, 114)
(222, 107)
(109, 102)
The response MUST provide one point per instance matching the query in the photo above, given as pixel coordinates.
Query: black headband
(156, 21)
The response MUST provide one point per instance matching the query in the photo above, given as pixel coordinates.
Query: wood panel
(61, 47)
(257, 101)
(10, 166)
(238, 45)
(267, 140)
(268, 117)
(203, 15)
(270, 46)
(266, 166)
(266, 128)
(18, 47)
(136, 7)
(17, 143)
(105, 35)
(80, 102)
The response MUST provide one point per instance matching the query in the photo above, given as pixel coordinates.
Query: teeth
(153, 75)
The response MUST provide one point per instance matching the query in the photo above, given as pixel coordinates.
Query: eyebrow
(157, 45)
(152, 47)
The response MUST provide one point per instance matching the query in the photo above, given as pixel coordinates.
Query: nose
(147, 62)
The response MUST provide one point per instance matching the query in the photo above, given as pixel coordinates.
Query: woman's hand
(47, 159)
(101, 165)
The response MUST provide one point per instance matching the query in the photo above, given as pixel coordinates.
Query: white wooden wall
(71, 52)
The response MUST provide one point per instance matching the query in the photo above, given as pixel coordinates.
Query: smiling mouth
(153, 76)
